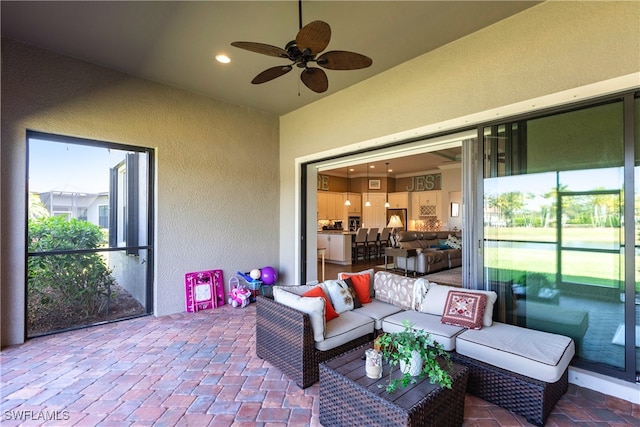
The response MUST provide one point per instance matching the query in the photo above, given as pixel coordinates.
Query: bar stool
(360, 242)
(383, 242)
(372, 241)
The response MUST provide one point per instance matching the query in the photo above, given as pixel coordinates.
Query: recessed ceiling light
(223, 58)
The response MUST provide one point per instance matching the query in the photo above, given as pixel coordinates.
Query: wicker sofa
(522, 370)
(296, 341)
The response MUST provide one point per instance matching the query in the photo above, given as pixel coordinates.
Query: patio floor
(199, 369)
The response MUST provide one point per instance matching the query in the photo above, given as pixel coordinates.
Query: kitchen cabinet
(337, 245)
(330, 205)
(399, 200)
(356, 203)
(426, 203)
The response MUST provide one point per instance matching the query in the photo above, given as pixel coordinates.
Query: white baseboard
(604, 384)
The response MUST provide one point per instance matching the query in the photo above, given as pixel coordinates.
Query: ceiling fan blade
(314, 36)
(343, 60)
(315, 79)
(271, 73)
(265, 49)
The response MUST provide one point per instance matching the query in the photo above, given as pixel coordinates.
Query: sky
(70, 167)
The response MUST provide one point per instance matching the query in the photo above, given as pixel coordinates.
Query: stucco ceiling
(175, 42)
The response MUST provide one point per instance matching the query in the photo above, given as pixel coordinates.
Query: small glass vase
(373, 364)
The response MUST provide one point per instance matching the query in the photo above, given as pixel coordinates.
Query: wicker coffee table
(348, 397)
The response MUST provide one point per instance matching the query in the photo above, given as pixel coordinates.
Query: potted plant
(399, 348)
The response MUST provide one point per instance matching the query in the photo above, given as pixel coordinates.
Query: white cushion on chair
(377, 310)
(347, 327)
(536, 354)
(313, 306)
(443, 334)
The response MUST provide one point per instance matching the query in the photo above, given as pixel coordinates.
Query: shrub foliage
(77, 284)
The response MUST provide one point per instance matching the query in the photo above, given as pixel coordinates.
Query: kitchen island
(337, 244)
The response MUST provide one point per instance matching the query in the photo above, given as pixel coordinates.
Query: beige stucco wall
(216, 168)
(540, 54)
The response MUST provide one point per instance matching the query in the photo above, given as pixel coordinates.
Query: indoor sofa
(523, 370)
(429, 251)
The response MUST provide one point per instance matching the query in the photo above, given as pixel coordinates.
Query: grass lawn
(593, 268)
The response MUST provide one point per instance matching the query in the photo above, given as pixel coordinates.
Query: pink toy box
(203, 290)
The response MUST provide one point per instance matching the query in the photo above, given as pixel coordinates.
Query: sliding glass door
(554, 229)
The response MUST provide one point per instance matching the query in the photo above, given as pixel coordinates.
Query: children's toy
(255, 274)
(254, 285)
(239, 295)
(269, 275)
(203, 290)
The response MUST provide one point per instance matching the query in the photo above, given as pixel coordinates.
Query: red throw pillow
(464, 309)
(329, 311)
(362, 284)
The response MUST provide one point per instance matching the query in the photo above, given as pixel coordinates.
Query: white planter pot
(415, 365)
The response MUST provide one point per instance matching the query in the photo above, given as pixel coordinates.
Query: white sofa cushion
(436, 299)
(377, 310)
(443, 334)
(348, 327)
(540, 355)
(313, 306)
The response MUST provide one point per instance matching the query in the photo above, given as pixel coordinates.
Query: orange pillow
(329, 311)
(362, 285)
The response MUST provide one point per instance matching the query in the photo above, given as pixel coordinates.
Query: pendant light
(387, 205)
(347, 202)
(368, 203)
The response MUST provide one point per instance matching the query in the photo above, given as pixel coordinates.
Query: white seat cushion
(347, 327)
(377, 310)
(313, 306)
(540, 355)
(441, 333)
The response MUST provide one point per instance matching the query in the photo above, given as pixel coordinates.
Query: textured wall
(216, 168)
(543, 51)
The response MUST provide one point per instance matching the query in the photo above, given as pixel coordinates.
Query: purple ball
(269, 275)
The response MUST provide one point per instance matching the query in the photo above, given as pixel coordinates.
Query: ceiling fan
(312, 39)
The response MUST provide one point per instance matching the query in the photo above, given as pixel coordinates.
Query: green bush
(73, 283)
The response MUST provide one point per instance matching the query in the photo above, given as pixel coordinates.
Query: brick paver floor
(198, 369)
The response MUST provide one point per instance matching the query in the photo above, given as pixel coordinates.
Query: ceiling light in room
(368, 203)
(386, 204)
(223, 58)
(347, 202)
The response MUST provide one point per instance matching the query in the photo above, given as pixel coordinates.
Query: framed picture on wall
(374, 184)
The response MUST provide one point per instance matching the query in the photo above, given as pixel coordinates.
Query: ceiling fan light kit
(312, 39)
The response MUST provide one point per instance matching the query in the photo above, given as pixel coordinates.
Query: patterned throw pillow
(340, 295)
(453, 242)
(354, 294)
(464, 309)
(361, 283)
(329, 311)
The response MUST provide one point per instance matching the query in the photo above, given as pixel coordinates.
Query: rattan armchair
(284, 338)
